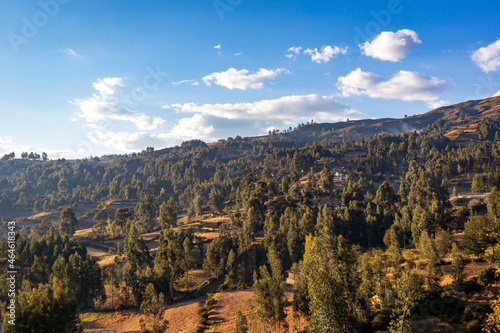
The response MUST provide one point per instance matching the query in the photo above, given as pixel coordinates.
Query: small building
(290, 278)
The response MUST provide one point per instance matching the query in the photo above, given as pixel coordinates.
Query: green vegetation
(366, 227)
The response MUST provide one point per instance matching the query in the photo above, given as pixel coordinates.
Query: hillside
(203, 230)
(460, 118)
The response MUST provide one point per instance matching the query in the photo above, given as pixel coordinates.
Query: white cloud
(295, 49)
(405, 85)
(241, 79)
(488, 57)
(5, 140)
(103, 106)
(437, 103)
(288, 108)
(496, 94)
(95, 109)
(217, 47)
(107, 85)
(196, 127)
(215, 121)
(7, 146)
(69, 51)
(126, 141)
(238, 54)
(391, 46)
(326, 53)
(193, 82)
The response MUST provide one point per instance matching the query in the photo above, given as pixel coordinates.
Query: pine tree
(153, 306)
(428, 252)
(69, 223)
(189, 259)
(168, 213)
(394, 250)
(169, 260)
(407, 294)
(457, 264)
(331, 270)
(241, 323)
(270, 290)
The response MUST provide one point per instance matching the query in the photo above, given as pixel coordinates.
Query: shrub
(487, 276)
(474, 326)
(476, 311)
(471, 285)
(381, 320)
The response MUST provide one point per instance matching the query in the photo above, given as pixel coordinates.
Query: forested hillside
(379, 225)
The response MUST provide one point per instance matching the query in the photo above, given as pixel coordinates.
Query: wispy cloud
(104, 106)
(193, 82)
(325, 54)
(242, 79)
(293, 52)
(126, 141)
(405, 85)
(488, 57)
(70, 52)
(295, 49)
(217, 47)
(391, 46)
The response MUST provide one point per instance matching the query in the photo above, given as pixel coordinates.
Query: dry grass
(224, 311)
(473, 269)
(106, 261)
(207, 235)
(183, 316)
(219, 219)
(197, 278)
(41, 215)
(432, 325)
(96, 252)
(83, 233)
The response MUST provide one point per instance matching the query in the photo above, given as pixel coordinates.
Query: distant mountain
(461, 121)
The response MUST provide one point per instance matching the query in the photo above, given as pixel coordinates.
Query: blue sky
(81, 78)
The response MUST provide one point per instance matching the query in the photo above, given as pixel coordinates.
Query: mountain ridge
(460, 118)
